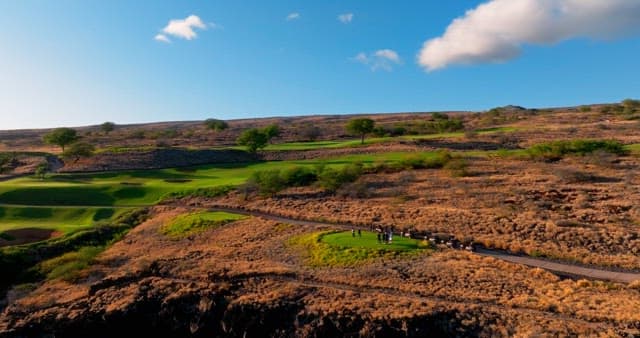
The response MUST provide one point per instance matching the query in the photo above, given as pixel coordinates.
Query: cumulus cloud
(182, 28)
(162, 38)
(293, 16)
(383, 59)
(345, 18)
(496, 31)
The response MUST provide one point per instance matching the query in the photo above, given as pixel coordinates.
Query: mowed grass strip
(342, 249)
(64, 220)
(196, 222)
(147, 187)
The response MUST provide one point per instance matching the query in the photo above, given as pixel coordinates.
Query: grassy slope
(147, 187)
(61, 219)
(188, 224)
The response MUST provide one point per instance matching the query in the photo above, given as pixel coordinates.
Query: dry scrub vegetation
(243, 279)
(580, 208)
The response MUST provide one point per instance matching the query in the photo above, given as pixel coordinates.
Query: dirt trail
(562, 269)
(558, 268)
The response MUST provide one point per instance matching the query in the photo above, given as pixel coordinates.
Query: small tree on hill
(310, 132)
(107, 127)
(61, 137)
(216, 125)
(360, 127)
(253, 139)
(78, 150)
(272, 131)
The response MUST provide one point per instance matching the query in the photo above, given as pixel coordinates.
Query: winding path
(558, 268)
(562, 269)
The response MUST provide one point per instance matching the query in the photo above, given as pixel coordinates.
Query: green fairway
(147, 187)
(342, 249)
(192, 223)
(61, 219)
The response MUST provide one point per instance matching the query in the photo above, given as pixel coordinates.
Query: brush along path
(562, 269)
(309, 281)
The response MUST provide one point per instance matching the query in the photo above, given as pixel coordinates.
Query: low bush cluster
(426, 161)
(269, 182)
(210, 192)
(555, 150)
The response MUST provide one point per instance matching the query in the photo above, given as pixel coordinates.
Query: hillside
(492, 219)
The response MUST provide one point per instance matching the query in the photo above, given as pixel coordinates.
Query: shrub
(420, 161)
(200, 192)
(332, 179)
(298, 177)
(269, 182)
(458, 167)
(555, 150)
(68, 266)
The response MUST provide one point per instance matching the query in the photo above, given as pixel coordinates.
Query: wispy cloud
(162, 38)
(345, 18)
(383, 59)
(182, 28)
(293, 16)
(496, 30)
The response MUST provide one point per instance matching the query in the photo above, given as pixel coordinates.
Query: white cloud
(183, 28)
(293, 16)
(383, 59)
(162, 38)
(345, 18)
(495, 31)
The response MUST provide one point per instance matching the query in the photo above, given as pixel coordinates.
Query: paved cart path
(559, 268)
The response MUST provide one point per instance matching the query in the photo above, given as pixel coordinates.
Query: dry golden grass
(251, 263)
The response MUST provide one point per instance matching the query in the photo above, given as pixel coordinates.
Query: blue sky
(71, 63)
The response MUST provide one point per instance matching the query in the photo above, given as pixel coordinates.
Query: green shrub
(421, 161)
(211, 192)
(298, 177)
(458, 167)
(68, 266)
(269, 182)
(555, 150)
(332, 179)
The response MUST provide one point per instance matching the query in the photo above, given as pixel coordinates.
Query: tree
(310, 132)
(253, 139)
(216, 125)
(360, 127)
(42, 169)
(78, 150)
(107, 127)
(61, 137)
(272, 131)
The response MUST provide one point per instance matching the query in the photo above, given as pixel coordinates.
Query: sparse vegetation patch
(192, 223)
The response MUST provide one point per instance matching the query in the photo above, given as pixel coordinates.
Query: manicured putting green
(192, 223)
(370, 240)
(342, 249)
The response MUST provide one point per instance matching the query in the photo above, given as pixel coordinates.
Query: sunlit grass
(342, 249)
(192, 223)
